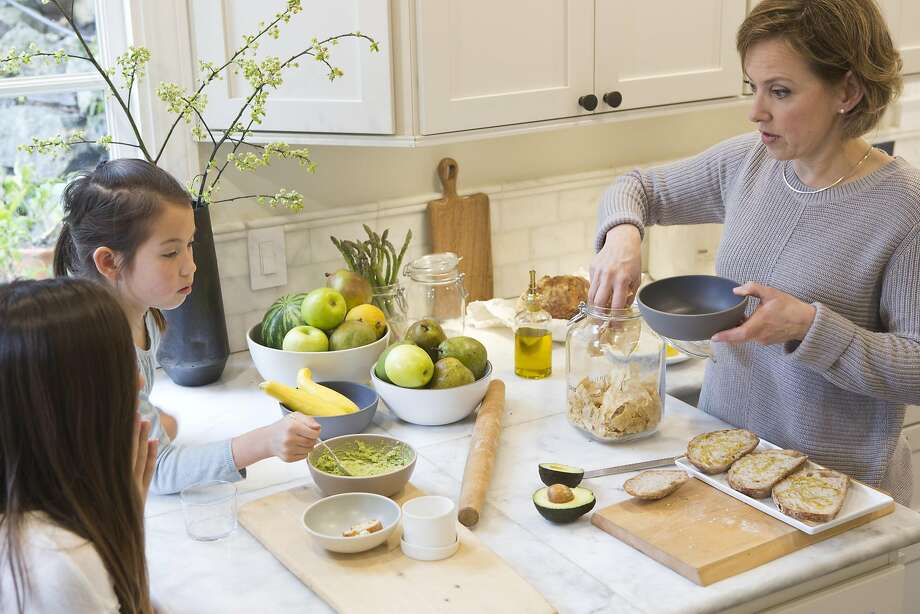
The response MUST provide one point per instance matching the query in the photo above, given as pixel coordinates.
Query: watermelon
(282, 316)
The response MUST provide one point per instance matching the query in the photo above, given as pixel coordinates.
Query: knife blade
(649, 464)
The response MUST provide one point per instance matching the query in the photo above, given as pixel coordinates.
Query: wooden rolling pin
(481, 459)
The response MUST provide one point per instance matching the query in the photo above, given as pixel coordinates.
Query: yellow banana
(305, 382)
(300, 400)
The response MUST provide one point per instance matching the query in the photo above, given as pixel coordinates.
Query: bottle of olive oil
(533, 342)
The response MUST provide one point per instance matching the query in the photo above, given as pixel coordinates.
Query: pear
(468, 351)
(379, 369)
(352, 334)
(428, 335)
(351, 285)
(450, 373)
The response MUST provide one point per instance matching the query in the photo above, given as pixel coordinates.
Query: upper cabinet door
(657, 52)
(361, 101)
(903, 18)
(486, 63)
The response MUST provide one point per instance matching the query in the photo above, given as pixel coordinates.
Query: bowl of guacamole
(377, 463)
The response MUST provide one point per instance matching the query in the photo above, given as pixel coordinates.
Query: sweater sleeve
(884, 365)
(690, 191)
(180, 466)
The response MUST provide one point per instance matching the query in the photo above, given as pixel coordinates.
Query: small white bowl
(433, 407)
(328, 518)
(427, 553)
(343, 365)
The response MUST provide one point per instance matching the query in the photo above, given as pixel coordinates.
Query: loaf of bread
(560, 295)
(653, 485)
(756, 473)
(714, 452)
(813, 494)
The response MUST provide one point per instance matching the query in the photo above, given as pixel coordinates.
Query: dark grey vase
(195, 347)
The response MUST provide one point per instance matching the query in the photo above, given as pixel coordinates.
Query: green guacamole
(365, 459)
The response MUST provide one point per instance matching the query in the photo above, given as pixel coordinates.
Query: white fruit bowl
(433, 407)
(343, 365)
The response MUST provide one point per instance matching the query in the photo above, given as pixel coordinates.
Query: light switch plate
(267, 262)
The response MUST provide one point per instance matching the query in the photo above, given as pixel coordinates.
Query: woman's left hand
(778, 318)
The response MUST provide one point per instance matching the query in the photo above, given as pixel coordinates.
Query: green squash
(282, 316)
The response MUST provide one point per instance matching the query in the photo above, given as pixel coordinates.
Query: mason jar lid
(440, 267)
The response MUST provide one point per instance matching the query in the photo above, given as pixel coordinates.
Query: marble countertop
(577, 567)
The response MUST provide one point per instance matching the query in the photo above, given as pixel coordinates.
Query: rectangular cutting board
(384, 580)
(705, 535)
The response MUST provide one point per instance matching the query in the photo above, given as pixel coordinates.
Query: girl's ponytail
(64, 252)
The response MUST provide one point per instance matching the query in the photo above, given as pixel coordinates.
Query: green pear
(352, 334)
(468, 351)
(428, 335)
(450, 373)
(379, 369)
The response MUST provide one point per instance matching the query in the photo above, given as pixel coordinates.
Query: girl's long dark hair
(68, 398)
(112, 206)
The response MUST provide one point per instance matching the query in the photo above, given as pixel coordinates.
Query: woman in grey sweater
(820, 228)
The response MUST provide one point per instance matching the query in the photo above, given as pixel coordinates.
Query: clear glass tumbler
(210, 510)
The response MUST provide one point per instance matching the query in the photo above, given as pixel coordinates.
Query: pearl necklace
(828, 187)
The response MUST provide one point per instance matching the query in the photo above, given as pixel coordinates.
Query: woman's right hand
(616, 270)
(145, 455)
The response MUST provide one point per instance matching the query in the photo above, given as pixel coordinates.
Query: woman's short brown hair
(834, 37)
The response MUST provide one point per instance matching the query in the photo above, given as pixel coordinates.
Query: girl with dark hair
(75, 462)
(130, 224)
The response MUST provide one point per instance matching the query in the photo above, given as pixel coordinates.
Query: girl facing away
(75, 462)
(130, 224)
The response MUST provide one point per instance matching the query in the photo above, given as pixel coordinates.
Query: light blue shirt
(179, 466)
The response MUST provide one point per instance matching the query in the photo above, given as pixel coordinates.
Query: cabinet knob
(588, 103)
(614, 99)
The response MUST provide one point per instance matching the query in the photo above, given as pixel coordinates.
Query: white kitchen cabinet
(903, 18)
(659, 52)
(359, 102)
(483, 63)
(880, 592)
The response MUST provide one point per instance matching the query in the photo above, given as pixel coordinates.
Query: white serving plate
(860, 500)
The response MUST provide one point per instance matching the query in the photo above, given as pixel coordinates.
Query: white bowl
(427, 553)
(343, 365)
(433, 407)
(328, 518)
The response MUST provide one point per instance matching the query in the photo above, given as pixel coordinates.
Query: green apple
(324, 308)
(380, 368)
(409, 366)
(305, 339)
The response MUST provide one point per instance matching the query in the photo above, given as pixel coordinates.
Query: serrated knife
(649, 464)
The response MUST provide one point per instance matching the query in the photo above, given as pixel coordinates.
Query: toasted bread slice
(364, 528)
(655, 484)
(714, 452)
(812, 494)
(758, 472)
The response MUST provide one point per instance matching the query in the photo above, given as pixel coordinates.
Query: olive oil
(533, 343)
(533, 352)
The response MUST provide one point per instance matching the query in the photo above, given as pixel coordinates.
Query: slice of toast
(714, 452)
(651, 485)
(364, 528)
(756, 474)
(812, 494)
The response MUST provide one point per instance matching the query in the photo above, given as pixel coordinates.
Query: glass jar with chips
(615, 374)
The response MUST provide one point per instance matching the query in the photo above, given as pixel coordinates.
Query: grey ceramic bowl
(363, 396)
(385, 484)
(326, 519)
(691, 307)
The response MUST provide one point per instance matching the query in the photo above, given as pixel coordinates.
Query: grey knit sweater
(852, 251)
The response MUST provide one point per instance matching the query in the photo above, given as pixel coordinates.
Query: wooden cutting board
(461, 224)
(384, 580)
(705, 535)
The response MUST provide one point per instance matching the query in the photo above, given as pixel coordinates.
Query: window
(43, 99)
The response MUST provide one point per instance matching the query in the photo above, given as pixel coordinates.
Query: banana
(305, 382)
(300, 400)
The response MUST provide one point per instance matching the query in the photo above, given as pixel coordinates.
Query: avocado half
(556, 473)
(564, 512)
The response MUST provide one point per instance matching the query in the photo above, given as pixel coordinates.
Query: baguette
(714, 452)
(757, 473)
(813, 494)
(651, 485)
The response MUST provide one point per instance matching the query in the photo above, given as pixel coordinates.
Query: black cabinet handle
(614, 99)
(588, 103)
